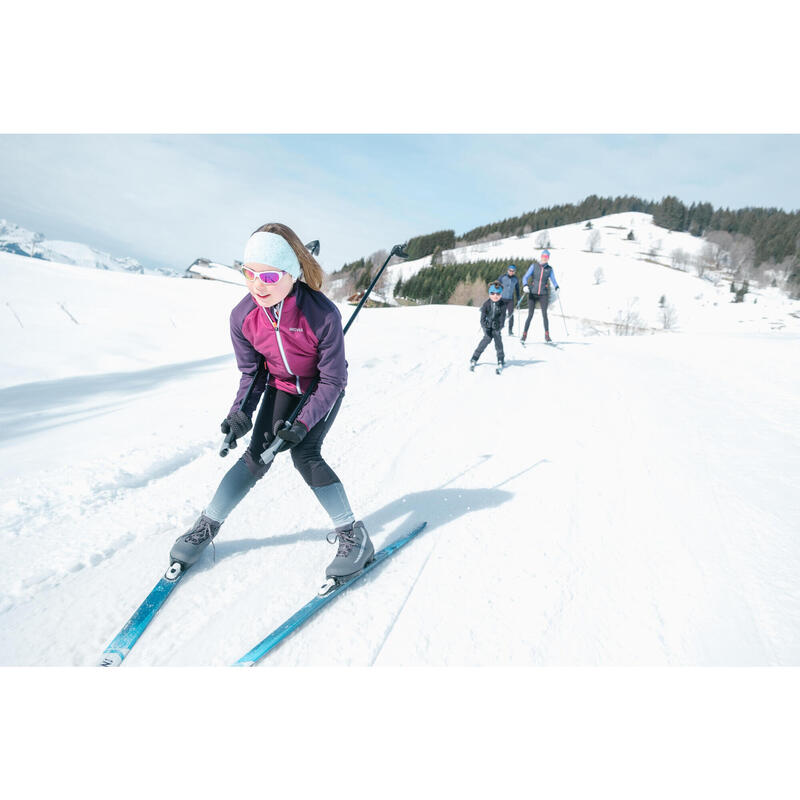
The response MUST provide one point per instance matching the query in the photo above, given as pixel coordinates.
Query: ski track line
(100, 500)
(403, 604)
(101, 495)
(701, 434)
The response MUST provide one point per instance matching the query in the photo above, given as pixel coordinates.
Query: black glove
(294, 435)
(289, 436)
(237, 424)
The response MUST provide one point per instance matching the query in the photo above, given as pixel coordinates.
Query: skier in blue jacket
(536, 283)
(511, 295)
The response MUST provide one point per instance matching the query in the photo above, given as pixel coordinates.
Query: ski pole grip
(226, 444)
(268, 455)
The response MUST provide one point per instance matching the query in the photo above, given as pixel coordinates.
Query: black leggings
(308, 460)
(495, 336)
(532, 299)
(510, 306)
(276, 407)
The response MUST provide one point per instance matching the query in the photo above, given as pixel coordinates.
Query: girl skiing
(493, 315)
(288, 326)
(536, 284)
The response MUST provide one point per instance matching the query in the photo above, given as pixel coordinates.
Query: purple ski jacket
(300, 339)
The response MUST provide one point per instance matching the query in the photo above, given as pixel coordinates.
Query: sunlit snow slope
(608, 501)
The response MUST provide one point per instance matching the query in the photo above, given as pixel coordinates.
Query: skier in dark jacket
(511, 295)
(492, 318)
(536, 283)
(288, 325)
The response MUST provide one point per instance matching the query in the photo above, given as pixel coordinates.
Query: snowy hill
(640, 507)
(636, 274)
(20, 241)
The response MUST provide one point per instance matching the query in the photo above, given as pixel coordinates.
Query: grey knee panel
(257, 468)
(314, 469)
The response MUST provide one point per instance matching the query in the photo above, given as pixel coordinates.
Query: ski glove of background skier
(238, 424)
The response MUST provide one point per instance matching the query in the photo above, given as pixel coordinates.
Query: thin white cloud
(168, 199)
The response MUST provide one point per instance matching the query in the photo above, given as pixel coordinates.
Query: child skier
(492, 317)
(536, 284)
(296, 331)
(511, 295)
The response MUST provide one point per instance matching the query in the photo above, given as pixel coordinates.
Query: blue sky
(166, 199)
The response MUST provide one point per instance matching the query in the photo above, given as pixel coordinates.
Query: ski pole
(229, 437)
(516, 308)
(269, 454)
(563, 318)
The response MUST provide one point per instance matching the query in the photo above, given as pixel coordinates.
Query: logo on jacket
(296, 330)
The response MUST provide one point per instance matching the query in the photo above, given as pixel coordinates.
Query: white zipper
(277, 327)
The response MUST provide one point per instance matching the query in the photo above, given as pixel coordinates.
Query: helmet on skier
(545, 254)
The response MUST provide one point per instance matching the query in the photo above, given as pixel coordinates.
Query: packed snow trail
(613, 501)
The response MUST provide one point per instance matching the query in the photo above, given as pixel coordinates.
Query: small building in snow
(208, 270)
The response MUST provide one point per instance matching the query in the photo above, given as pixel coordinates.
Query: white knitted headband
(272, 250)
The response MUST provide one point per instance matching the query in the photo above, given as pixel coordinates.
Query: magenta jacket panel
(299, 339)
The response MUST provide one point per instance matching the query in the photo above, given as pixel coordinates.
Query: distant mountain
(22, 242)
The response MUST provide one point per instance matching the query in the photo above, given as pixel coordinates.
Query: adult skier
(492, 319)
(536, 284)
(286, 323)
(511, 295)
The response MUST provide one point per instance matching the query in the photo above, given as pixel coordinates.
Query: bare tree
(706, 259)
(543, 240)
(669, 316)
(628, 322)
(339, 285)
(599, 276)
(743, 255)
(680, 259)
(655, 248)
(375, 262)
(593, 241)
(723, 241)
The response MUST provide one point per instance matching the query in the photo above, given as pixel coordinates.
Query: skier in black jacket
(493, 316)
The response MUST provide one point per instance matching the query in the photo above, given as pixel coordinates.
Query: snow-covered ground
(612, 500)
(636, 274)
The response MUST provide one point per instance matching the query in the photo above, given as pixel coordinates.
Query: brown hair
(312, 271)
